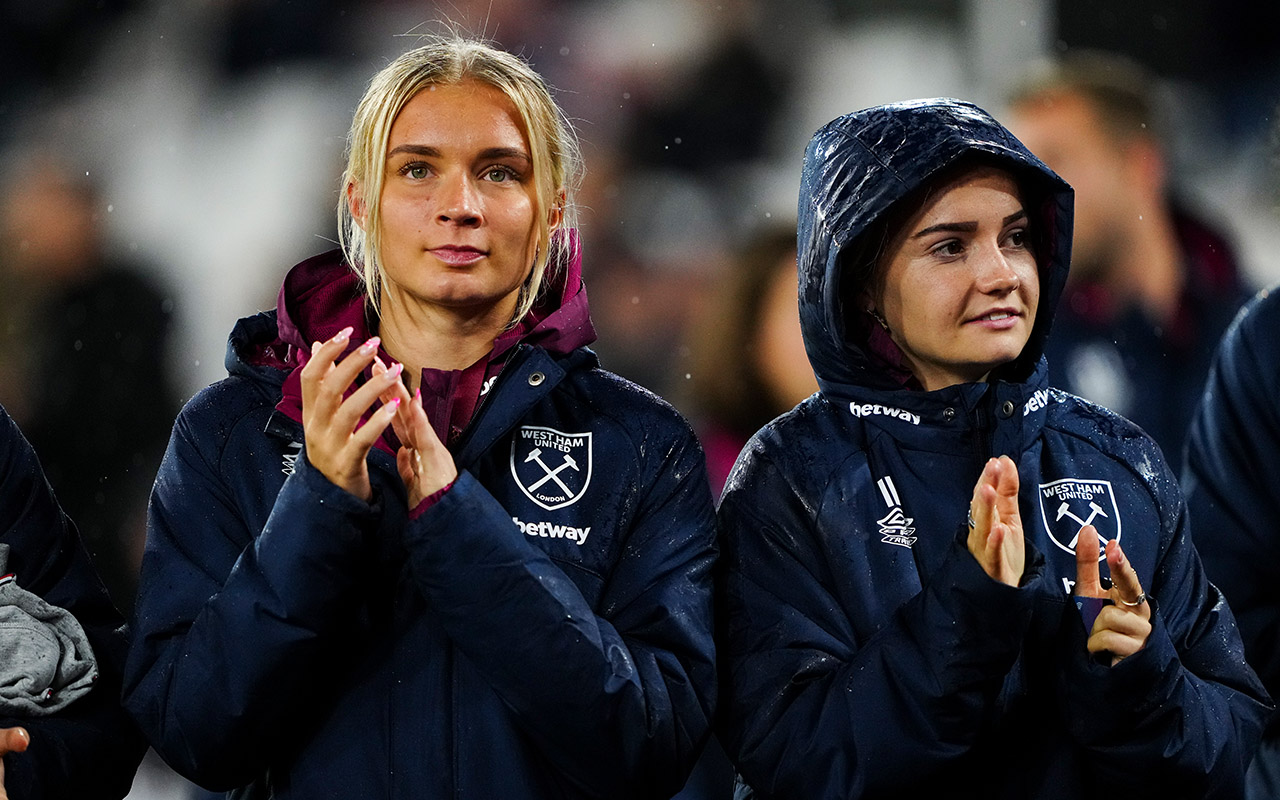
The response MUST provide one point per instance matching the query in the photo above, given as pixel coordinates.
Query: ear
(555, 214)
(355, 202)
(866, 302)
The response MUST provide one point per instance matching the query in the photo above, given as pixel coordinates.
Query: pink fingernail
(391, 406)
(395, 370)
(344, 334)
(370, 346)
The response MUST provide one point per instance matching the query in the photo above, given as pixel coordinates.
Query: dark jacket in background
(1148, 373)
(1232, 481)
(864, 651)
(91, 748)
(519, 639)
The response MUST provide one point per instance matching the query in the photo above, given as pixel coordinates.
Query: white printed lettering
(549, 530)
(875, 409)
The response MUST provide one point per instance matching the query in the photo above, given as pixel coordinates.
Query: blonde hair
(450, 60)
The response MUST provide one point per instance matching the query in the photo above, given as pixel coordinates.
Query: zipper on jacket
(983, 432)
(518, 355)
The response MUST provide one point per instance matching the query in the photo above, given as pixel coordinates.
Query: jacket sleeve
(230, 623)
(619, 696)
(1182, 716)
(1232, 483)
(810, 708)
(91, 748)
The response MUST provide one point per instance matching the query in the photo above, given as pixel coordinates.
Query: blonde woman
(418, 544)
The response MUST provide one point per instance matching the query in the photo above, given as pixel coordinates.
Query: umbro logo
(290, 463)
(896, 526)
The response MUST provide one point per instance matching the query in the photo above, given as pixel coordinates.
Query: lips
(458, 255)
(997, 318)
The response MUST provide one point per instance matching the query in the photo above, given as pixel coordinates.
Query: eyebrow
(484, 155)
(965, 227)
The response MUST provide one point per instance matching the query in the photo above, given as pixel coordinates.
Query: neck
(430, 337)
(1148, 271)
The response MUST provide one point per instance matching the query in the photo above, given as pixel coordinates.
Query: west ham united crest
(551, 467)
(1069, 504)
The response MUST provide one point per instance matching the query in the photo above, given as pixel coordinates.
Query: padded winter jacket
(864, 652)
(1232, 481)
(542, 631)
(90, 748)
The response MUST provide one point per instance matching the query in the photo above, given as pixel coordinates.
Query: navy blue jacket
(91, 748)
(1232, 479)
(526, 637)
(864, 652)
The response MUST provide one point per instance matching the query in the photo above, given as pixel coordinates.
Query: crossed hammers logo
(553, 474)
(1064, 510)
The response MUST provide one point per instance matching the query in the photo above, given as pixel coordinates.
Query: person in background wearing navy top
(87, 747)
(1232, 481)
(911, 600)
(419, 544)
(1154, 282)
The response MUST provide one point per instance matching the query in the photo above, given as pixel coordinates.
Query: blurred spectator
(86, 361)
(63, 733)
(749, 363)
(748, 366)
(1152, 286)
(1232, 482)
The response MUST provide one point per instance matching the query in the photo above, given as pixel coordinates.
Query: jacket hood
(322, 295)
(856, 169)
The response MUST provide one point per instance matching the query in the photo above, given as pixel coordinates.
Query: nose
(459, 201)
(996, 274)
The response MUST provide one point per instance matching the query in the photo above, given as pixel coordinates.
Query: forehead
(974, 193)
(466, 114)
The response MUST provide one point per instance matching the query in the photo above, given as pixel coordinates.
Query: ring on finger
(972, 524)
(1142, 598)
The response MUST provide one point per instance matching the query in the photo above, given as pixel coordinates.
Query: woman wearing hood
(419, 544)
(941, 577)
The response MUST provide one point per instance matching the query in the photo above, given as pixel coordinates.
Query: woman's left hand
(1121, 628)
(426, 465)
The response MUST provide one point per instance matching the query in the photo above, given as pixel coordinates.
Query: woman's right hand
(337, 444)
(995, 524)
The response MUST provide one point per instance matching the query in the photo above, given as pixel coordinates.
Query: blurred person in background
(749, 363)
(1153, 285)
(1232, 482)
(84, 358)
(910, 595)
(63, 733)
(418, 543)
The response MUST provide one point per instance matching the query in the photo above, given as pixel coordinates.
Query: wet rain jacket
(864, 652)
(541, 631)
(1232, 481)
(89, 749)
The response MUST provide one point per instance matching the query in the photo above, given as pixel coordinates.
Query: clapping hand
(995, 524)
(1121, 628)
(337, 442)
(425, 464)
